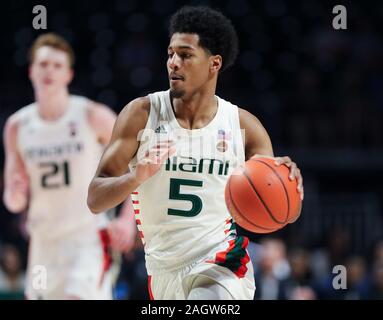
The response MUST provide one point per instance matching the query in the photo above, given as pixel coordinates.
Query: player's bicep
(116, 157)
(124, 141)
(102, 120)
(256, 138)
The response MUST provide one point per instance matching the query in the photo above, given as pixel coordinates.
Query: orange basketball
(261, 198)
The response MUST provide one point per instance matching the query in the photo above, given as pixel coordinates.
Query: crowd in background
(281, 272)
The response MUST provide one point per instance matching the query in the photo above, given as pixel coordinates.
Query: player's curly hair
(216, 32)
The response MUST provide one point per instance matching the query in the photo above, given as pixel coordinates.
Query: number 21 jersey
(61, 158)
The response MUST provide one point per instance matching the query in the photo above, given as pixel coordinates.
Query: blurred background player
(52, 148)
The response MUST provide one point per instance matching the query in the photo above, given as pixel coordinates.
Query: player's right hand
(16, 195)
(154, 158)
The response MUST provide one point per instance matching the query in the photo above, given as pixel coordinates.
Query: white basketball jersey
(61, 158)
(181, 212)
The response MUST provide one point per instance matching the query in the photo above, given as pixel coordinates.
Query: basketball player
(52, 149)
(191, 246)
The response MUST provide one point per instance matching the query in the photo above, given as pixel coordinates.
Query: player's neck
(195, 113)
(51, 106)
(200, 105)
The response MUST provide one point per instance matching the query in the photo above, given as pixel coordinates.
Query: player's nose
(174, 62)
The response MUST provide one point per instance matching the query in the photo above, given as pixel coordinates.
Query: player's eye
(185, 55)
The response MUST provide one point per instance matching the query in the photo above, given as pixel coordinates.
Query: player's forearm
(15, 202)
(105, 193)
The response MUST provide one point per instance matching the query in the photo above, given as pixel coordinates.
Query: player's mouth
(174, 78)
(47, 81)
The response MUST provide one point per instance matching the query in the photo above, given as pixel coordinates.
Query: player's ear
(215, 63)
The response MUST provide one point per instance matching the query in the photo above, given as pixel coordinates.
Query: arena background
(317, 90)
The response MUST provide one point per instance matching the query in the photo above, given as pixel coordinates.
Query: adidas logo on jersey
(161, 129)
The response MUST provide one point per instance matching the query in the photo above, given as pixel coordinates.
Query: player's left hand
(122, 233)
(295, 172)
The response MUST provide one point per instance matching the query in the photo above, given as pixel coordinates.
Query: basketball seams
(260, 198)
(283, 184)
(240, 213)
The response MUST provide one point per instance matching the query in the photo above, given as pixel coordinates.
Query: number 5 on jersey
(175, 194)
